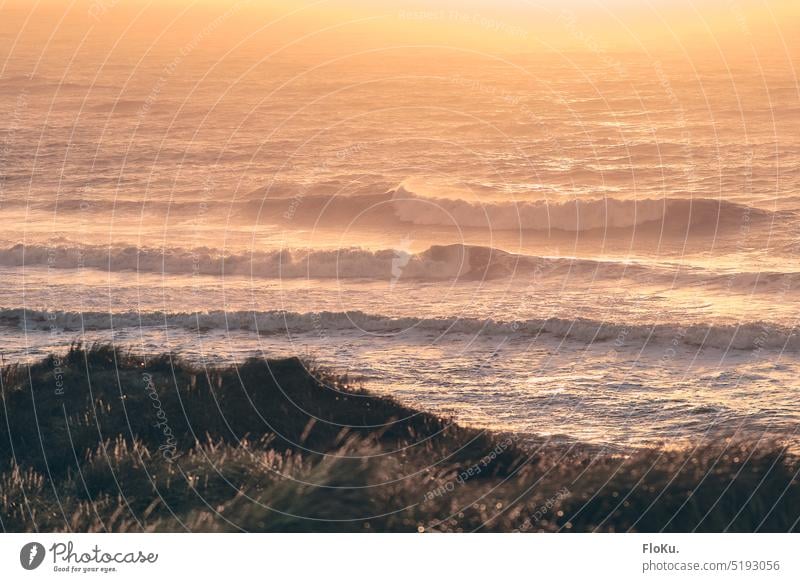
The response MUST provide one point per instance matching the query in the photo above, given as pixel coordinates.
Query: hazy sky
(497, 26)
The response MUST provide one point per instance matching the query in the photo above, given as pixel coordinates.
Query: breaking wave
(575, 215)
(437, 263)
(747, 336)
(400, 207)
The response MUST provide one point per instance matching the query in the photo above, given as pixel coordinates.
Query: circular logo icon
(31, 555)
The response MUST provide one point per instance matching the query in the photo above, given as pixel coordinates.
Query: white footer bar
(390, 557)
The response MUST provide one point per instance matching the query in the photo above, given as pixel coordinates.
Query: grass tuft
(102, 440)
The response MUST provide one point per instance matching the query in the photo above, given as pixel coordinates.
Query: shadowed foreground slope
(99, 440)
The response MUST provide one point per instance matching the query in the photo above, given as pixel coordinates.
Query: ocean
(590, 248)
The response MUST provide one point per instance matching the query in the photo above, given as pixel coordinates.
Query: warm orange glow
(593, 184)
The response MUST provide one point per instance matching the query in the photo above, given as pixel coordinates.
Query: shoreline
(102, 440)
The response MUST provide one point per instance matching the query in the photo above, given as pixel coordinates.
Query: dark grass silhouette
(104, 441)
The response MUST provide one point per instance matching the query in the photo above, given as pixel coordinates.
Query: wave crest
(437, 263)
(746, 336)
(572, 215)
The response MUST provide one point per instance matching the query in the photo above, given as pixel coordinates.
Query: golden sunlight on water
(560, 219)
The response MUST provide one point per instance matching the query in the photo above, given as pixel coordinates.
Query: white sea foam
(439, 262)
(745, 336)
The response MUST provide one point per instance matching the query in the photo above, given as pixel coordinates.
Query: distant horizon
(339, 25)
